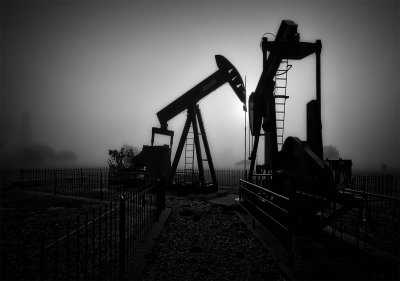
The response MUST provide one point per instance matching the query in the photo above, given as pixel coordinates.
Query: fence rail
(384, 184)
(97, 245)
(270, 208)
(377, 183)
(225, 178)
(379, 225)
(375, 222)
(101, 184)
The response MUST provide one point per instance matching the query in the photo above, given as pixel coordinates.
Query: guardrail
(270, 208)
(373, 222)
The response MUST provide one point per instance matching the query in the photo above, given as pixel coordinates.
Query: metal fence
(226, 178)
(101, 184)
(375, 223)
(377, 183)
(377, 226)
(269, 208)
(383, 184)
(96, 246)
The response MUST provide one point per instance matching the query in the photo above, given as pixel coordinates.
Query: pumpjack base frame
(195, 120)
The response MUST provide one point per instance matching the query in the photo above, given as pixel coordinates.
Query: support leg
(206, 148)
(253, 158)
(192, 116)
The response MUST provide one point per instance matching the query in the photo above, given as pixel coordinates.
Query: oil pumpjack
(226, 73)
(298, 161)
(295, 190)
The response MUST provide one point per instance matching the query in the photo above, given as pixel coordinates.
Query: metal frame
(262, 101)
(226, 73)
(194, 118)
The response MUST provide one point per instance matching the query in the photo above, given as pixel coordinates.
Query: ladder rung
(281, 97)
(280, 87)
(279, 111)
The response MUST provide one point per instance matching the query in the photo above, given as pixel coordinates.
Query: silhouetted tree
(331, 152)
(121, 158)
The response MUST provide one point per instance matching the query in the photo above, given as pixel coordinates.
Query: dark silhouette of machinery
(295, 185)
(226, 73)
(266, 108)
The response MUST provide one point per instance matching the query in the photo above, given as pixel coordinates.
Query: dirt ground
(205, 241)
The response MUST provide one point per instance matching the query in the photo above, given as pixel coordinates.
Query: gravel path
(204, 241)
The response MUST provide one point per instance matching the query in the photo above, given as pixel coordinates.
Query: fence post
(41, 267)
(121, 272)
(24, 258)
(81, 179)
(56, 257)
(54, 181)
(86, 244)
(68, 263)
(161, 196)
(101, 186)
(291, 234)
(78, 255)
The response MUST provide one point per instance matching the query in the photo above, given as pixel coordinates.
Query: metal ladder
(189, 156)
(280, 99)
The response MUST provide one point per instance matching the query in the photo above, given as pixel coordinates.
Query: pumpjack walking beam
(226, 73)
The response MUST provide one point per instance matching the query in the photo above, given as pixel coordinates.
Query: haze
(81, 77)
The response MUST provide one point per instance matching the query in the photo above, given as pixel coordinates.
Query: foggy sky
(92, 75)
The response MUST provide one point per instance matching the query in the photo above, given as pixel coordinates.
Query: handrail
(265, 189)
(270, 217)
(269, 202)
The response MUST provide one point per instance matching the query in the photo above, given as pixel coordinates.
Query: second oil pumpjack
(296, 190)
